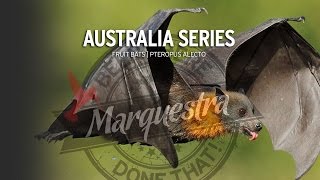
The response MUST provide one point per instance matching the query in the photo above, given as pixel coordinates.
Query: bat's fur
(208, 125)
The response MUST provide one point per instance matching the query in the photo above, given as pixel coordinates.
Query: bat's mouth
(252, 134)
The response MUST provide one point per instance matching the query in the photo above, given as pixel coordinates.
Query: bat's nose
(258, 126)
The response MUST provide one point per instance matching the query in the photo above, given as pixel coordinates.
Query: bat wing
(280, 72)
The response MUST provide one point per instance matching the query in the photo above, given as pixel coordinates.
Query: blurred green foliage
(64, 26)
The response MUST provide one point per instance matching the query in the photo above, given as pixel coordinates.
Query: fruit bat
(275, 68)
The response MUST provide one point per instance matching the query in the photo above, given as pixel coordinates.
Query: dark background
(20, 62)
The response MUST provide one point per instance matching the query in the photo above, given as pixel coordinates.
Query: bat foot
(49, 137)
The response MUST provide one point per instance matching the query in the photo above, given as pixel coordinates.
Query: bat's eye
(242, 112)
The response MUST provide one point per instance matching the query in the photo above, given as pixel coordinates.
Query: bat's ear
(241, 90)
(218, 91)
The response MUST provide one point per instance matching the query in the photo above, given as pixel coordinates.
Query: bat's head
(241, 111)
(217, 113)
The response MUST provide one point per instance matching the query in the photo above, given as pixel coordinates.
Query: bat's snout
(251, 129)
(258, 127)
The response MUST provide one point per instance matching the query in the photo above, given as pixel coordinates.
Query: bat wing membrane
(280, 72)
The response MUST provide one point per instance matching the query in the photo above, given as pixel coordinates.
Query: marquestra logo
(197, 159)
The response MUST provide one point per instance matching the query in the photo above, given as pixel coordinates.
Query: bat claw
(204, 9)
(42, 135)
(50, 137)
(297, 19)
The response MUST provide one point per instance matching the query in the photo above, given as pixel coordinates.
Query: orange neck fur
(209, 125)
